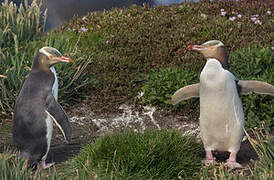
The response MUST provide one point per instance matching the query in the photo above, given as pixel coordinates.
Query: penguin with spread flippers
(36, 109)
(221, 109)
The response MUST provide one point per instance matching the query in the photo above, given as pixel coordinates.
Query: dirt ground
(86, 126)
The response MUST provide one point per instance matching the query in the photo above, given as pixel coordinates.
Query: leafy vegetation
(256, 63)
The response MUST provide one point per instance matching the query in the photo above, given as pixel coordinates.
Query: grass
(125, 51)
(164, 154)
(13, 168)
(152, 155)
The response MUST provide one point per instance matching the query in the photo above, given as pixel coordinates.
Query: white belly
(221, 111)
(55, 85)
(49, 123)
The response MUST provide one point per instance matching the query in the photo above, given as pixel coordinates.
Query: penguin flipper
(249, 86)
(186, 92)
(55, 110)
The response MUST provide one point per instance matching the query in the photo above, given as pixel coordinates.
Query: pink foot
(231, 161)
(46, 165)
(209, 158)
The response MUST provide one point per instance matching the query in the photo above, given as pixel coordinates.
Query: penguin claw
(233, 164)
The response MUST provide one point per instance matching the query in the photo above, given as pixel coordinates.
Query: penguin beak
(195, 47)
(64, 59)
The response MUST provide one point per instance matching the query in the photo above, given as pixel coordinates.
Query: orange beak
(190, 47)
(195, 47)
(64, 59)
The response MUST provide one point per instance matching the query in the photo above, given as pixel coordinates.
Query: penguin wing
(54, 109)
(249, 86)
(186, 92)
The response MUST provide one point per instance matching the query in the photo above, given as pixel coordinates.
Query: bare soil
(87, 126)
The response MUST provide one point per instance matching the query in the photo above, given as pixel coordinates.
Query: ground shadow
(245, 154)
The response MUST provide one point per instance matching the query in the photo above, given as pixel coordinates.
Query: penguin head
(212, 49)
(49, 56)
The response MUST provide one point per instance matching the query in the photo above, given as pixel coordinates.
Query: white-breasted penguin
(37, 108)
(221, 110)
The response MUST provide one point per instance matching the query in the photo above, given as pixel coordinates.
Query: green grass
(13, 168)
(162, 154)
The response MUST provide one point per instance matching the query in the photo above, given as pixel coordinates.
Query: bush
(128, 155)
(255, 63)
(160, 85)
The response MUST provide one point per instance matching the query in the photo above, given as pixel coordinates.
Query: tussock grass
(13, 168)
(18, 25)
(164, 154)
(21, 23)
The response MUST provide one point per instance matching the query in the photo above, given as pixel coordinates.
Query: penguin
(36, 109)
(221, 110)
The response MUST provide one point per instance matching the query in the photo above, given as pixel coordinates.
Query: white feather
(49, 133)
(221, 111)
(55, 85)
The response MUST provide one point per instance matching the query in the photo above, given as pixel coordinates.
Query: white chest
(49, 124)
(55, 85)
(221, 111)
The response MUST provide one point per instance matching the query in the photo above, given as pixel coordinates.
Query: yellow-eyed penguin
(36, 109)
(221, 110)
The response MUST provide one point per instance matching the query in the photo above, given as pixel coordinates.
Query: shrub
(161, 154)
(255, 63)
(159, 86)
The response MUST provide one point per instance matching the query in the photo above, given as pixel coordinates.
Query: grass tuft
(162, 154)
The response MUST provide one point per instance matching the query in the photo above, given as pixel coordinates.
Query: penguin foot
(209, 158)
(233, 164)
(46, 165)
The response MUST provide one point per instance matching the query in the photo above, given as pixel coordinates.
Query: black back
(29, 126)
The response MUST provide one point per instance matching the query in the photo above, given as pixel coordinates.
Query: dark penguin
(36, 109)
